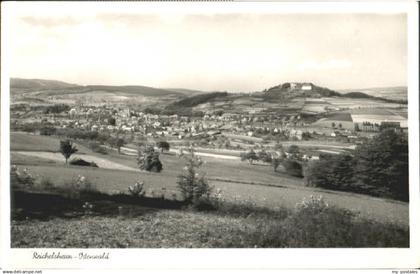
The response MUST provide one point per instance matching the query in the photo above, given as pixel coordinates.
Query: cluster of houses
(125, 120)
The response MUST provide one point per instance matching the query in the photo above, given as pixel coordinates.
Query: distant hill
(393, 93)
(185, 91)
(195, 100)
(134, 90)
(284, 97)
(300, 89)
(291, 90)
(357, 94)
(53, 87)
(37, 84)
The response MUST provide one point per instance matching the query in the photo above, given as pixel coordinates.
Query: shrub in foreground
(194, 187)
(77, 188)
(315, 223)
(137, 190)
(21, 178)
(293, 168)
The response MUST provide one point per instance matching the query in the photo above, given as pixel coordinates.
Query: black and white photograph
(138, 128)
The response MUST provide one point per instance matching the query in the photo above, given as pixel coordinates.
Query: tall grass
(312, 223)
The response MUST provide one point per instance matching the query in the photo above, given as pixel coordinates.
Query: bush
(81, 162)
(249, 156)
(264, 156)
(23, 178)
(314, 223)
(96, 147)
(137, 190)
(46, 183)
(163, 145)
(293, 168)
(294, 152)
(78, 187)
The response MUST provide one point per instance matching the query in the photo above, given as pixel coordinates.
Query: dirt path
(133, 152)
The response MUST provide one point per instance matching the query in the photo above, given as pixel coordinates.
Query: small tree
(163, 145)
(294, 152)
(119, 142)
(251, 156)
(278, 158)
(148, 159)
(112, 121)
(278, 146)
(193, 186)
(67, 148)
(264, 156)
(275, 163)
(293, 168)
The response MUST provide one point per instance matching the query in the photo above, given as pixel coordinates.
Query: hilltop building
(297, 86)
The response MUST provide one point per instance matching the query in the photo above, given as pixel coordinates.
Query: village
(331, 131)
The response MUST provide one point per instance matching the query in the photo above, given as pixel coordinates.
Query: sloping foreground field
(189, 229)
(262, 195)
(237, 180)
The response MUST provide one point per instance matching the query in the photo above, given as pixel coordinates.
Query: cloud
(324, 65)
(49, 22)
(127, 18)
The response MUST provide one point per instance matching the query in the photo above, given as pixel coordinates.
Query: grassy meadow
(242, 185)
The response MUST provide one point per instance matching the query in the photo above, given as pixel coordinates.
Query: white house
(306, 87)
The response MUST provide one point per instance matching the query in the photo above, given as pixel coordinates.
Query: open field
(237, 180)
(271, 196)
(58, 157)
(353, 103)
(20, 141)
(148, 228)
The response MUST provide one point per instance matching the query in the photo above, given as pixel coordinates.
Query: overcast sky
(233, 52)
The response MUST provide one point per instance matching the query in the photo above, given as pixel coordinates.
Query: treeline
(197, 99)
(293, 164)
(378, 167)
(361, 95)
(188, 112)
(45, 109)
(184, 106)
